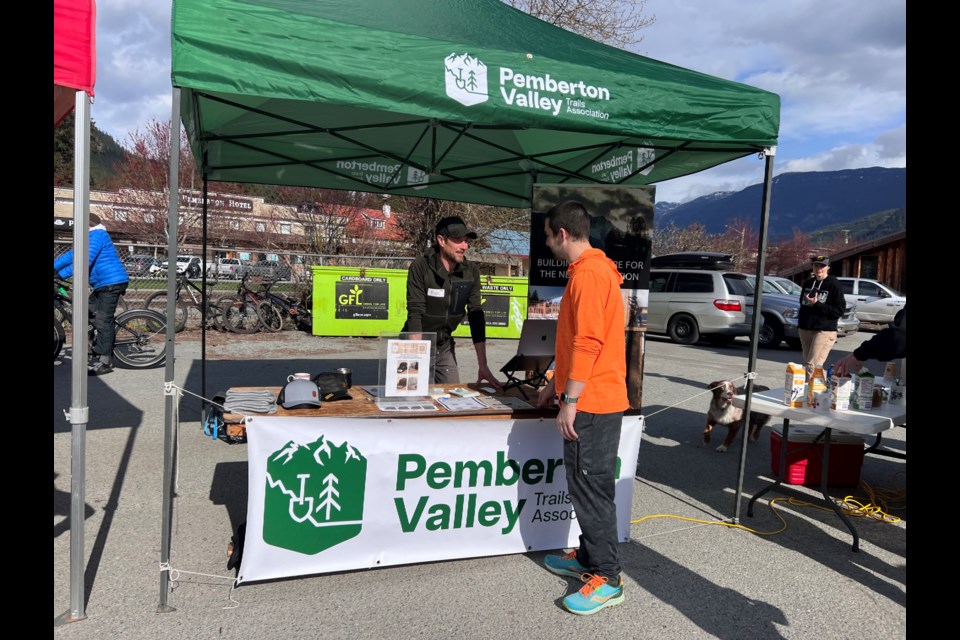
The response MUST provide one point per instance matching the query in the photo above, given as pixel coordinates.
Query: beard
(452, 255)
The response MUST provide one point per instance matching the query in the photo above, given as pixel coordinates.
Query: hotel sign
(214, 201)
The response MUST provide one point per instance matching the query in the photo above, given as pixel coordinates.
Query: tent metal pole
(203, 300)
(170, 394)
(79, 410)
(768, 154)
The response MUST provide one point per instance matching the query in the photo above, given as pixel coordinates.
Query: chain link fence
(290, 271)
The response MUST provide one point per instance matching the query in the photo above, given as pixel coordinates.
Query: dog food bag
(862, 399)
(794, 385)
(841, 390)
(817, 384)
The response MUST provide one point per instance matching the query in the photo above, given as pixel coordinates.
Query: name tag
(435, 293)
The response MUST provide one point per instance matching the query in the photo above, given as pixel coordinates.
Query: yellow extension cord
(874, 506)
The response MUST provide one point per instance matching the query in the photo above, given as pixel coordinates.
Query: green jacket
(437, 300)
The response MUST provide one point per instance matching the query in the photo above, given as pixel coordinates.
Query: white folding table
(864, 423)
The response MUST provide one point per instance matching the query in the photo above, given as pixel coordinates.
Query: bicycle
(188, 295)
(285, 308)
(140, 341)
(65, 289)
(246, 313)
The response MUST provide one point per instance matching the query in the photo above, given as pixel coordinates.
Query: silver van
(876, 302)
(687, 304)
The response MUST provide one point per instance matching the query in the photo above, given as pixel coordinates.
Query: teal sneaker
(595, 595)
(565, 565)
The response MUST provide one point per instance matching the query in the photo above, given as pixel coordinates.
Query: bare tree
(144, 180)
(417, 219)
(789, 253)
(740, 239)
(673, 239)
(614, 22)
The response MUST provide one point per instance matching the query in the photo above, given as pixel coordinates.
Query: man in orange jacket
(591, 373)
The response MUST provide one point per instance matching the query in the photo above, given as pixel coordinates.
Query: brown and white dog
(722, 411)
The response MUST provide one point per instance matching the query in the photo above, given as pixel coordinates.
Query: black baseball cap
(454, 227)
(824, 260)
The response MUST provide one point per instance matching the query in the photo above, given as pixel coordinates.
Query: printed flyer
(408, 368)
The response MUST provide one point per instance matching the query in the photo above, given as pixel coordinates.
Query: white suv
(876, 302)
(185, 264)
(687, 304)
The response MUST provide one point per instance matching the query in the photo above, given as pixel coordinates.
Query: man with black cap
(109, 280)
(821, 305)
(441, 286)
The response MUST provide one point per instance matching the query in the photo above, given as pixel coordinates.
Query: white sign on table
(408, 368)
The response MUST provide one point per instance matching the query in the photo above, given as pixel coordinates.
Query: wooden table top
(361, 404)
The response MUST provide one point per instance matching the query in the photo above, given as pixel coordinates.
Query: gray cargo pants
(591, 479)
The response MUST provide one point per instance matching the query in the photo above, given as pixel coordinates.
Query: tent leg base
(67, 617)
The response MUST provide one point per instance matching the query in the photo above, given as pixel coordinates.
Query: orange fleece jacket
(591, 346)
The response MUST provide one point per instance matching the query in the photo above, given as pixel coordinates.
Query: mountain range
(809, 201)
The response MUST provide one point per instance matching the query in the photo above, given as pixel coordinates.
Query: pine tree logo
(314, 496)
(466, 79)
(417, 178)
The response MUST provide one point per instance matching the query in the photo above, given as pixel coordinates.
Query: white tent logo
(466, 79)
(646, 155)
(417, 179)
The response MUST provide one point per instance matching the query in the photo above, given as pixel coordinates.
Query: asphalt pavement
(788, 573)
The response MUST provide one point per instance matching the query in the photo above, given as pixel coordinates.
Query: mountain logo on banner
(466, 79)
(314, 496)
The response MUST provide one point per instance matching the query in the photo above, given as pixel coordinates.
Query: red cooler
(804, 458)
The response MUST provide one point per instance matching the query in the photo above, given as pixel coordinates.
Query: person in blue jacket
(109, 280)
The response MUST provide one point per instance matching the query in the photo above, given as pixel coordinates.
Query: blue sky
(839, 67)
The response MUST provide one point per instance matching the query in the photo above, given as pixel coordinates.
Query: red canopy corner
(74, 53)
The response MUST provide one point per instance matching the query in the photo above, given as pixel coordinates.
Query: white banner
(332, 494)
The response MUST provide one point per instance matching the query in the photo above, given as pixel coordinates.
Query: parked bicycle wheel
(141, 339)
(271, 316)
(157, 301)
(304, 320)
(59, 337)
(215, 313)
(240, 316)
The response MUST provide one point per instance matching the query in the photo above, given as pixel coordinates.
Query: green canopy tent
(467, 100)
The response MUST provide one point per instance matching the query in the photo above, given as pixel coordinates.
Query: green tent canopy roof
(466, 100)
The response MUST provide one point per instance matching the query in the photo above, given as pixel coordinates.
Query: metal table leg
(783, 467)
(824, 471)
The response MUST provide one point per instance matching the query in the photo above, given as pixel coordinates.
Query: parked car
(876, 302)
(226, 268)
(269, 269)
(687, 304)
(780, 312)
(139, 265)
(848, 324)
(785, 285)
(185, 264)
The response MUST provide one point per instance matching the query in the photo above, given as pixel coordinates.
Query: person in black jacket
(441, 286)
(888, 344)
(821, 306)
